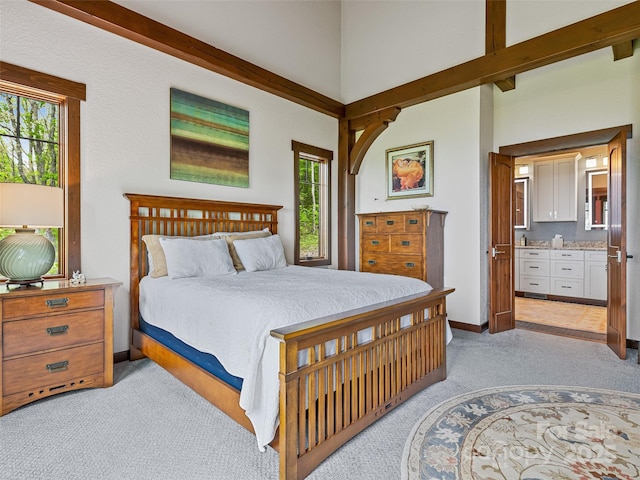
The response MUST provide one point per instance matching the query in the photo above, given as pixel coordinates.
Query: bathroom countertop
(568, 245)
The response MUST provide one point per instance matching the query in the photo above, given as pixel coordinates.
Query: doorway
(560, 263)
(501, 220)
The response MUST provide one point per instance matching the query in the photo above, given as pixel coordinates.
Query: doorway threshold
(563, 332)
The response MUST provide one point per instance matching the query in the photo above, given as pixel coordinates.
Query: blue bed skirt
(205, 361)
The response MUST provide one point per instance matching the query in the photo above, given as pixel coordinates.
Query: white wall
(125, 131)
(386, 44)
(586, 93)
(453, 124)
(297, 40)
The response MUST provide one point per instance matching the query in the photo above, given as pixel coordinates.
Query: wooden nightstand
(55, 339)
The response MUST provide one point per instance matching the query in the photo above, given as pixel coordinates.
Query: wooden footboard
(345, 384)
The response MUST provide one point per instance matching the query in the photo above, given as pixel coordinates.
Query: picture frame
(409, 171)
(209, 141)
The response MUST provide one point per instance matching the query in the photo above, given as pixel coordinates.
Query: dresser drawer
(595, 255)
(369, 225)
(534, 284)
(530, 266)
(409, 243)
(566, 255)
(55, 331)
(567, 269)
(407, 265)
(29, 306)
(534, 253)
(49, 368)
(567, 287)
(390, 224)
(375, 243)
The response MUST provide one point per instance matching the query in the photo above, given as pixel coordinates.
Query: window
(312, 173)
(40, 144)
(29, 149)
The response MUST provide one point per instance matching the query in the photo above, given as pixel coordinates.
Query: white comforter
(231, 316)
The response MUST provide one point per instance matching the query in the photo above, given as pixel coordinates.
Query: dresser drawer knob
(57, 302)
(375, 242)
(390, 222)
(60, 330)
(371, 262)
(369, 223)
(410, 264)
(405, 243)
(413, 221)
(58, 366)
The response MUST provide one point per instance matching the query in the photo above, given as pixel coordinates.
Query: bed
(334, 372)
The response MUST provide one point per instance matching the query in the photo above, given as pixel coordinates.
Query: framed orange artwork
(410, 171)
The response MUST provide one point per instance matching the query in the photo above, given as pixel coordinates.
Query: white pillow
(187, 257)
(261, 253)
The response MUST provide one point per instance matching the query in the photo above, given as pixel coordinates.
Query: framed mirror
(595, 209)
(521, 195)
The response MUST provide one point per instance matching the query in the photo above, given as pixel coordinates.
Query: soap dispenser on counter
(523, 241)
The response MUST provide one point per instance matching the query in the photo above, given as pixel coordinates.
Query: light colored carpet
(150, 426)
(528, 432)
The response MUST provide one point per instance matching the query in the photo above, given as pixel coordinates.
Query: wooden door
(617, 247)
(501, 217)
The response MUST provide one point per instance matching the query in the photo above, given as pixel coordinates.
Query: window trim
(327, 157)
(69, 94)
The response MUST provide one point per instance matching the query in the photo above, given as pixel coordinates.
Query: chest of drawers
(409, 243)
(55, 339)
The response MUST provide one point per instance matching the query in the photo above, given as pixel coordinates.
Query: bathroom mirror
(595, 209)
(521, 194)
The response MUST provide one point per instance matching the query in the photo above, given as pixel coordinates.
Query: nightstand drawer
(28, 306)
(411, 243)
(54, 331)
(49, 368)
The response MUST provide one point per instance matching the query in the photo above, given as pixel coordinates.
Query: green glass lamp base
(25, 257)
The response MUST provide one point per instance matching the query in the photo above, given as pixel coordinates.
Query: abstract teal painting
(209, 141)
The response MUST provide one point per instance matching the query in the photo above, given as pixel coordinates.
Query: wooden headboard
(186, 217)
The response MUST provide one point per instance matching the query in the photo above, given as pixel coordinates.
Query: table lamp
(25, 256)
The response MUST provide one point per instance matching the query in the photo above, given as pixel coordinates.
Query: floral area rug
(527, 433)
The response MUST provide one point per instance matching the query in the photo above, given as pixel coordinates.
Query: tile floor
(562, 318)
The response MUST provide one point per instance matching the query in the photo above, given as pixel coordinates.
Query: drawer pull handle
(405, 243)
(534, 284)
(60, 330)
(534, 253)
(372, 262)
(413, 221)
(375, 242)
(369, 223)
(531, 266)
(569, 269)
(390, 222)
(58, 366)
(57, 302)
(410, 264)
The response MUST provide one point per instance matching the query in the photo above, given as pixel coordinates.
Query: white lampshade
(32, 206)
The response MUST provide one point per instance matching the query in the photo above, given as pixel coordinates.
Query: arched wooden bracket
(373, 125)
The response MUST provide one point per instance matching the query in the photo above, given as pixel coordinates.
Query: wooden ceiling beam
(613, 27)
(622, 50)
(117, 19)
(496, 36)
